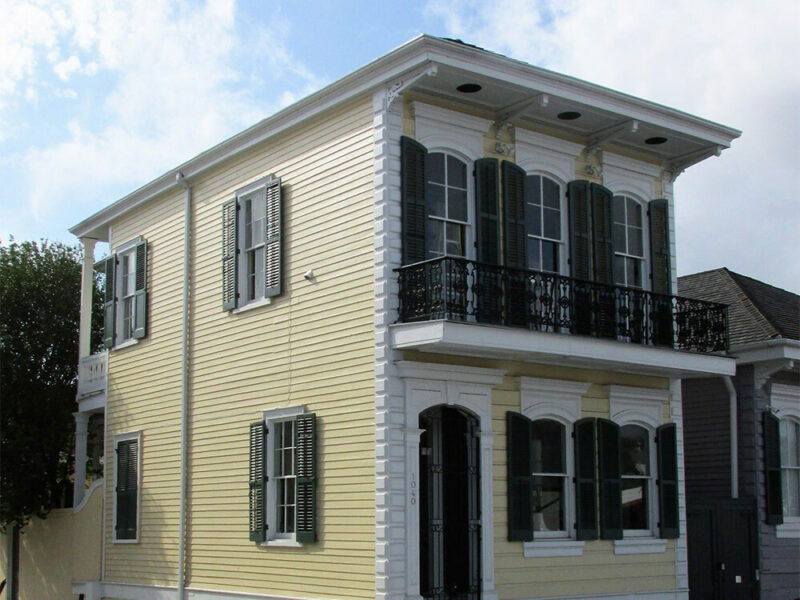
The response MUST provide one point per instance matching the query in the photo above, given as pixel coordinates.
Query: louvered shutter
(272, 241)
(230, 215)
(610, 480)
(580, 234)
(660, 269)
(109, 301)
(772, 469)
(669, 521)
(413, 179)
(514, 215)
(127, 489)
(140, 292)
(488, 210)
(519, 478)
(258, 482)
(306, 473)
(602, 235)
(585, 480)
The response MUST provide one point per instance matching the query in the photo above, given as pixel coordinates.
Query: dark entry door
(450, 529)
(723, 557)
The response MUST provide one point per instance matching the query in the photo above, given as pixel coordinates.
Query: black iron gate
(723, 550)
(450, 514)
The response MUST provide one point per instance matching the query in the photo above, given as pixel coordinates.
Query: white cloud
(66, 68)
(731, 62)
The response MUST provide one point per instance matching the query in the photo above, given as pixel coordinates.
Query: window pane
(533, 192)
(436, 167)
(634, 450)
(547, 441)
(457, 205)
(456, 172)
(635, 241)
(634, 213)
(790, 479)
(634, 274)
(455, 239)
(619, 238)
(434, 200)
(533, 219)
(248, 223)
(619, 209)
(548, 504)
(435, 238)
(552, 224)
(619, 269)
(551, 193)
(534, 254)
(550, 257)
(289, 520)
(790, 449)
(634, 504)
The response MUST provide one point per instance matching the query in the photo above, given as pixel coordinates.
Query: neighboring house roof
(757, 311)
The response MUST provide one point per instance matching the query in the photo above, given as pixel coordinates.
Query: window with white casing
(629, 242)
(284, 477)
(550, 478)
(448, 206)
(127, 289)
(125, 294)
(785, 403)
(127, 475)
(544, 244)
(636, 468)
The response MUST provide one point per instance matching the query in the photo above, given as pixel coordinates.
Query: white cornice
(441, 372)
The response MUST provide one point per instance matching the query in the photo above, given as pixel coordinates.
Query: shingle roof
(757, 311)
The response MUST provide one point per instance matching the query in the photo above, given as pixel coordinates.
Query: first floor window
(126, 493)
(283, 477)
(549, 476)
(790, 466)
(635, 469)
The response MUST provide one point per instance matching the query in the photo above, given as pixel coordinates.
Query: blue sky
(97, 97)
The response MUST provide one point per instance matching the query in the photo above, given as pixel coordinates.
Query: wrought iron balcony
(457, 289)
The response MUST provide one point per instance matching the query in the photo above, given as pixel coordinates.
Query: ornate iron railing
(457, 289)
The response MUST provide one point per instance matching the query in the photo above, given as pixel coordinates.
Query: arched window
(543, 223)
(448, 208)
(628, 242)
(550, 477)
(790, 467)
(636, 469)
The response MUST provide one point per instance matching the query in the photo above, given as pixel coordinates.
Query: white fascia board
(468, 339)
(781, 349)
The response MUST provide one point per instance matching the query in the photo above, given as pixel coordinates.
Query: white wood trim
(555, 547)
(633, 405)
(642, 545)
(440, 130)
(641, 167)
(547, 155)
(785, 399)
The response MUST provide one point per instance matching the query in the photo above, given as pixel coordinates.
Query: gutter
(187, 226)
(734, 427)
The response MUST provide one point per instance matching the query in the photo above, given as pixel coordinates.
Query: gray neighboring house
(742, 447)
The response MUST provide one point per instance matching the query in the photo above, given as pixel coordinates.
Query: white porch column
(81, 435)
(87, 287)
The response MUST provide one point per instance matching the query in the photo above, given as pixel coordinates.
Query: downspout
(734, 425)
(187, 206)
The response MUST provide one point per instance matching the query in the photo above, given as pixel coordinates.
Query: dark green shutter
(109, 301)
(772, 469)
(127, 489)
(580, 233)
(610, 480)
(272, 242)
(660, 270)
(585, 480)
(140, 292)
(602, 235)
(258, 482)
(669, 519)
(306, 473)
(229, 254)
(413, 180)
(519, 477)
(487, 207)
(514, 215)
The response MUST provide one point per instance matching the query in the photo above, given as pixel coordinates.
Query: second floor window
(448, 211)
(125, 301)
(628, 242)
(543, 223)
(790, 467)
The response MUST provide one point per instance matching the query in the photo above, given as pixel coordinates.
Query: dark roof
(757, 311)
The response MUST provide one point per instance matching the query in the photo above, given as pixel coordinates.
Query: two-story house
(414, 336)
(742, 453)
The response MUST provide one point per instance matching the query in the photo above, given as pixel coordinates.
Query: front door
(450, 529)
(723, 551)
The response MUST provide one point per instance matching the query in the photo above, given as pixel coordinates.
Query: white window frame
(563, 246)
(785, 401)
(243, 194)
(560, 401)
(644, 407)
(124, 437)
(128, 249)
(644, 263)
(469, 224)
(271, 418)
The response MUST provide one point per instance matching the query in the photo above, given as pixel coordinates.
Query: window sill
(640, 546)
(252, 305)
(282, 543)
(553, 547)
(134, 541)
(125, 344)
(789, 529)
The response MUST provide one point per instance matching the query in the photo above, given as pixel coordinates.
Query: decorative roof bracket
(396, 88)
(597, 138)
(512, 111)
(679, 164)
